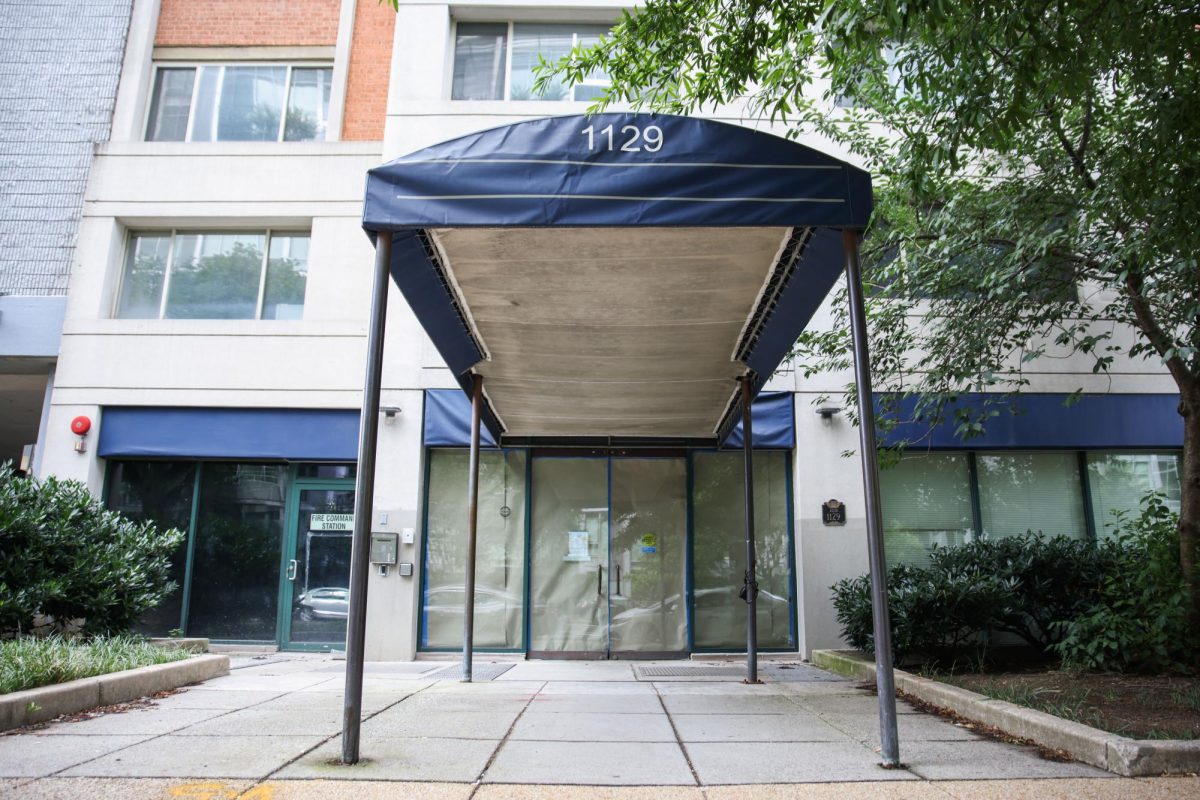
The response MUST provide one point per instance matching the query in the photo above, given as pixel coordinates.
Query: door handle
(291, 570)
(618, 580)
(599, 580)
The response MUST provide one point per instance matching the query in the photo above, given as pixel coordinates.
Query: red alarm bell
(80, 426)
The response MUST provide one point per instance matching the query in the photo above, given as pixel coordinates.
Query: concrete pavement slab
(28, 756)
(871, 790)
(595, 703)
(489, 687)
(400, 722)
(594, 727)
(131, 789)
(788, 762)
(602, 763)
(450, 702)
(756, 728)
(152, 720)
(199, 757)
(456, 760)
(205, 697)
(729, 704)
(597, 687)
(362, 790)
(911, 728)
(270, 683)
(372, 702)
(569, 671)
(983, 759)
(729, 688)
(861, 703)
(280, 720)
(500, 791)
(821, 689)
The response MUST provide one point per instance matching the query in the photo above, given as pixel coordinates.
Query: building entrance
(316, 593)
(608, 566)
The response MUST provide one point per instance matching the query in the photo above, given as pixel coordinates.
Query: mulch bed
(1137, 706)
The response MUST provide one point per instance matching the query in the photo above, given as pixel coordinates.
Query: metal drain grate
(479, 672)
(691, 672)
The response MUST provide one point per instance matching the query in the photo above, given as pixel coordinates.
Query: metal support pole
(885, 681)
(750, 585)
(364, 495)
(472, 528)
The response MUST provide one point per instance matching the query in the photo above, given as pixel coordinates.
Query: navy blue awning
(685, 253)
(288, 434)
(448, 421)
(1045, 421)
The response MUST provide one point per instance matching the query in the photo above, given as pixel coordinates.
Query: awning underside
(603, 332)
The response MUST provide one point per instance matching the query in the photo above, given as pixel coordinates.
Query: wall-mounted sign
(331, 522)
(833, 512)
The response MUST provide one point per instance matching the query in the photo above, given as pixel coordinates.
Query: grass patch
(28, 662)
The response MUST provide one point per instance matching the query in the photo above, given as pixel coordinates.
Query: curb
(47, 702)
(1118, 754)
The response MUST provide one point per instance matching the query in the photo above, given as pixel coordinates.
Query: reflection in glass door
(648, 556)
(318, 567)
(608, 557)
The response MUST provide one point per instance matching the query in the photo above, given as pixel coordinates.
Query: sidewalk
(665, 729)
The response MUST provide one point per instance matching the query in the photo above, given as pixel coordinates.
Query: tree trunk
(1189, 507)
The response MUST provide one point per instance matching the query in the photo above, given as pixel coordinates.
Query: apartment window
(1119, 481)
(239, 103)
(951, 498)
(214, 275)
(496, 60)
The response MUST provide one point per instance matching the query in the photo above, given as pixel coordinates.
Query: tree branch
(1159, 339)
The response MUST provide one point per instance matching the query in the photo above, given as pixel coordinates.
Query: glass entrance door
(317, 575)
(608, 557)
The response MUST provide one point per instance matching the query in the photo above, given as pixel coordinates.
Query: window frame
(197, 64)
(508, 57)
(268, 233)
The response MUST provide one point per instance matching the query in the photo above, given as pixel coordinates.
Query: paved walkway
(270, 731)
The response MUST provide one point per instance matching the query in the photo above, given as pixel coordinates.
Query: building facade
(215, 337)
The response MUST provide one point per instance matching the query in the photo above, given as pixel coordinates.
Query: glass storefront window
(1119, 481)
(235, 563)
(160, 492)
(1021, 492)
(926, 501)
(719, 550)
(500, 556)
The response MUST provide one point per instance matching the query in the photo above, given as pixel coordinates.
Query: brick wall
(370, 65)
(59, 66)
(216, 23)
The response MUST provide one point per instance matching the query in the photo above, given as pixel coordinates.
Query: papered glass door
(318, 568)
(648, 556)
(608, 557)
(568, 611)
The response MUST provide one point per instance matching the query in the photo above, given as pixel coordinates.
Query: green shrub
(1049, 578)
(936, 616)
(1138, 621)
(1117, 605)
(65, 557)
